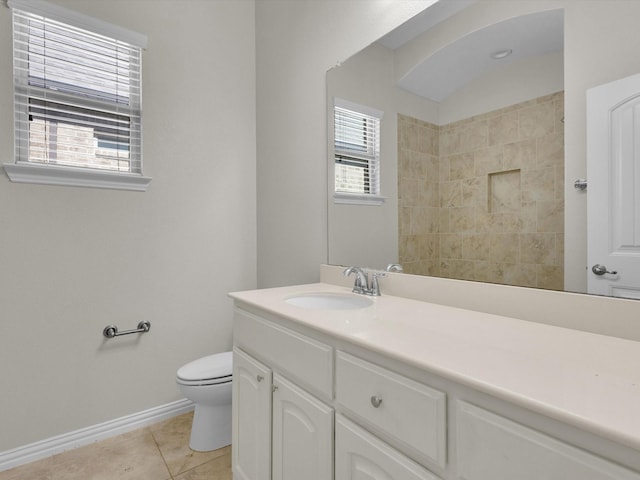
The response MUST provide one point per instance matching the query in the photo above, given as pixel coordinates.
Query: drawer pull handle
(259, 378)
(376, 401)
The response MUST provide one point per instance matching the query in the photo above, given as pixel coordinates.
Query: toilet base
(211, 427)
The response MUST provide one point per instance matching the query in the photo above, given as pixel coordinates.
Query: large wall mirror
(482, 137)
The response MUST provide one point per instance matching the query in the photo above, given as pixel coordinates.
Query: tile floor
(157, 452)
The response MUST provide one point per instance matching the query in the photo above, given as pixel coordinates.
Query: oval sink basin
(329, 301)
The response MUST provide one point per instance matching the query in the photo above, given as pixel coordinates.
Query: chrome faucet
(361, 283)
(394, 267)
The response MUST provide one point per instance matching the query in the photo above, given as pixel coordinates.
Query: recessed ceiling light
(500, 54)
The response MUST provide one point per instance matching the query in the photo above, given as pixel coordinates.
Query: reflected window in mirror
(356, 153)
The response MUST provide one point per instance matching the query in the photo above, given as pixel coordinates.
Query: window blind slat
(357, 151)
(77, 96)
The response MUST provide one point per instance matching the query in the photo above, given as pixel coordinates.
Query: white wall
(73, 260)
(297, 41)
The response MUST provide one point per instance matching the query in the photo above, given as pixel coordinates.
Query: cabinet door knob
(259, 378)
(274, 388)
(376, 401)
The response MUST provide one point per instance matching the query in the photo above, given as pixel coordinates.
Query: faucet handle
(375, 286)
(394, 267)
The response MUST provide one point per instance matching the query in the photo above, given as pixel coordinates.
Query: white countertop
(586, 380)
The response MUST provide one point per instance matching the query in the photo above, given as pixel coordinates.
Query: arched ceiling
(445, 71)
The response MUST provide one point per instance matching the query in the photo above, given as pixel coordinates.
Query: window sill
(75, 177)
(357, 199)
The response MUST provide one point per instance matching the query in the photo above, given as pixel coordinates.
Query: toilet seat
(204, 382)
(211, 370)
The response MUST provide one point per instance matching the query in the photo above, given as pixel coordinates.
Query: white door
(302, 434)
(613, 192)
(251, 452)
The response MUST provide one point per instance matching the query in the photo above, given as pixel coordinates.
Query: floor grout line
(164, 460)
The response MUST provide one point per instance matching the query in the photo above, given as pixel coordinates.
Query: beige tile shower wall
(499, 189)
(418, 196)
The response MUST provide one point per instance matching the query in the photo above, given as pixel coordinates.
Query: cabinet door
(302, 434)
(251, 452)
(361, 456)
(491, 447)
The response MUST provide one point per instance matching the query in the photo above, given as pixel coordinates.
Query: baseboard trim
(85, 436)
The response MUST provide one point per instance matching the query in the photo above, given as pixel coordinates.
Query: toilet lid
(207, 368)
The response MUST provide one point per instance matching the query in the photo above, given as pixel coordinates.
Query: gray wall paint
(296, 43)
(73, 260)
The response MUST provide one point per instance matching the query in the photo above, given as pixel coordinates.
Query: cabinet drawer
(360, 455)
(307, 361)
(407, 410)
(492, 447)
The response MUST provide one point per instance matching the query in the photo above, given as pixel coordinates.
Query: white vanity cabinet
(312, 401)
(280, 431)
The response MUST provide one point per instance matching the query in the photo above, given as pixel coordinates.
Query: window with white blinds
(77, 94)
(356, 150)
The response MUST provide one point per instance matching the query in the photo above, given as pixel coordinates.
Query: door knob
(601, 270)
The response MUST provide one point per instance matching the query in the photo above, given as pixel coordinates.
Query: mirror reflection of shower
(482, 198)
(477, 126)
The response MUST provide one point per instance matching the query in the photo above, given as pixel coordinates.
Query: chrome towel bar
(111, 331)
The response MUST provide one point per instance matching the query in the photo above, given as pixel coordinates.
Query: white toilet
(207, 383)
